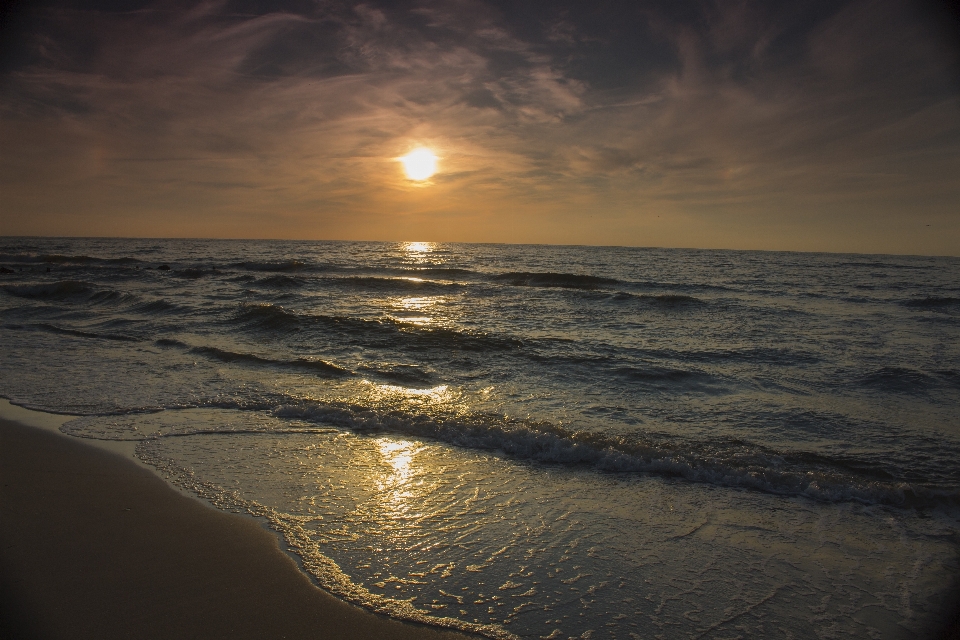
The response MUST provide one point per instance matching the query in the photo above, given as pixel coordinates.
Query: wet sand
(94, 546)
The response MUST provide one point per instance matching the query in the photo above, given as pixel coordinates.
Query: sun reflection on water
(419, 306)
(419, 247)
(398, 455)
(384, 395)
(418, 253)
(438, 393)
(399, 477)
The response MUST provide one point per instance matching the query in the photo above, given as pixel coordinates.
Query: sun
(419, 164)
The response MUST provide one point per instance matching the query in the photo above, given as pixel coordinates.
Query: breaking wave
(731, 464)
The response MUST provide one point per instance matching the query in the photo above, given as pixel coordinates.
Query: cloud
(294, 113)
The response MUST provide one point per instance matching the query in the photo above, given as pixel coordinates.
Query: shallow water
(528, 440)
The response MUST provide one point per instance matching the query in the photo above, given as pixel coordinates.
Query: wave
(754, 355)
(642, 285)
(437, 271)
(932, 302)
(951, 377)
(56, 258)
(874, 264)
(384, 332)
(269, 317)
(154, 307)
(277, 266)
(649, 363)
(549, 279)
(392, 284)
(442, 339)
(732, 464)
(905, 380)
(78, 291)
(85, 334)
(170, 342)
(61, 290)
(281, 282)
(71, 290)
(302, 364)
(632, 369)
(663, 300)
(194, 272)
(399, 373)
(415, 272)
(316, 367)
(110, 297)
(662, 374)
(78, 333)
(670, 299)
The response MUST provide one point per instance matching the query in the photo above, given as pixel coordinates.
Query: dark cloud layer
(804, 125)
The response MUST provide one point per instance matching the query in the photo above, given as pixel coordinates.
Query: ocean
(532, 441)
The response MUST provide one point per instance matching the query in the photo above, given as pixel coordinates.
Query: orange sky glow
(819, 126)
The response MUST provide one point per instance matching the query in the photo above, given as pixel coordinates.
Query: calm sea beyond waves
(532, 441)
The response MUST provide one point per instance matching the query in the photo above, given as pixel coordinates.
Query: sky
(803, 125)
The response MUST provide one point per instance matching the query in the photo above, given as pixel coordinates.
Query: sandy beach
(94, 546)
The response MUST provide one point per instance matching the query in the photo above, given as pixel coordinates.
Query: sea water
(532, 441)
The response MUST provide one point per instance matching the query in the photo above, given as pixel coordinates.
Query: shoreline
(93, 545)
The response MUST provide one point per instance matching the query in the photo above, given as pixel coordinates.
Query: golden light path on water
(414, 310)
(414, 248)
(420, 310)
(401, 477)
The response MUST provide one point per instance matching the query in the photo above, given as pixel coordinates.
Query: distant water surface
(532, 441)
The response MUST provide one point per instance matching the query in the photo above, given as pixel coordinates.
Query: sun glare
(418, 247)
(419, 164)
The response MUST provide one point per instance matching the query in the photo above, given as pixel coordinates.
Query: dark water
(542, 441)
